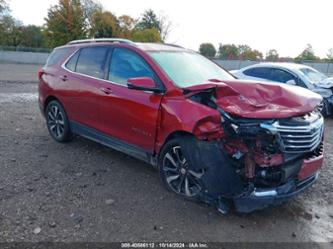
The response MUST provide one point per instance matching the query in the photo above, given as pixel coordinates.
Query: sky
(285, 25)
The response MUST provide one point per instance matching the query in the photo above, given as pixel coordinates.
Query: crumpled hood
(326, 83)
(250, 99)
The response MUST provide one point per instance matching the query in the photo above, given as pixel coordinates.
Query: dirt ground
(83, 191)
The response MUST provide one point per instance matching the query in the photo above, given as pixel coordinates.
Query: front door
(127, 114)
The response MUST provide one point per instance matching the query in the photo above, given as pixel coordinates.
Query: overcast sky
(286, 25)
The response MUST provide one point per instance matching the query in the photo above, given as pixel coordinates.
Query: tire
(176, 171)
(325, 111)
(57, 122)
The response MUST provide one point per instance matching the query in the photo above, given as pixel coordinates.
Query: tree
(32, 36)
(104, 24)
(127, 25)
(65, 22)
(228, 51)
(3, 6)
(149, 20)
(146, 35)
(207, 49)
(247, 53)
(165, 27)
(330, 55)
(11, 31)
(307, 54)
(272, 55)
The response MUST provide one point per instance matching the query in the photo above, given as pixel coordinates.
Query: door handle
(63, 77)
(106, 90)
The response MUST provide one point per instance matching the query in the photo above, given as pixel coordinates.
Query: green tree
(149, 20)
(65, 22)
(127, 25)
(104, 24)
(307, 54)
(11, 31)
(146, 35)
(272, 55)
(247, 53)
(207, 49)
(3, 6)
(32, 36)
(228, 51)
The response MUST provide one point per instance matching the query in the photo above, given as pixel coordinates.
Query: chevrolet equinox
(213, 138)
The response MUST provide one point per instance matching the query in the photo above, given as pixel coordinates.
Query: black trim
(114, 143)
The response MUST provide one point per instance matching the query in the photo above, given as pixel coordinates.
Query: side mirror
(291, 82)
(143, 84)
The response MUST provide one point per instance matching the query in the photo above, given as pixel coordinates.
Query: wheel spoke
(169, 169)
(176, 152)
(55, 111)
(52, 127)
(169, 157)
(195, 174)
(58, 131)
(179, 187)
(187, 188)
(172, 178)
(50, 115)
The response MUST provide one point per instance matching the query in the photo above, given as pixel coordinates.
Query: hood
(326, 83)
(251, 99)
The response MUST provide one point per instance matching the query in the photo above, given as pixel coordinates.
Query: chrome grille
(298, 138)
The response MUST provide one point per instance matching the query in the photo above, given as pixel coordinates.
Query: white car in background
(292, 74)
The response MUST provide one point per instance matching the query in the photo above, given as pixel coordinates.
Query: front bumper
(261, 198)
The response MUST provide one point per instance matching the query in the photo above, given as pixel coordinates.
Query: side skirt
(111, 142)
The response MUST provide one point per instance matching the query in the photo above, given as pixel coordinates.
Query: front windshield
(188, 68)
(313, 75)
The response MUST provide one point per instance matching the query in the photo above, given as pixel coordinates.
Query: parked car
(212, 137)
(292, 74)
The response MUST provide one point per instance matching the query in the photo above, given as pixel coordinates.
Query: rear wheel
(176, 171)
(57, 122)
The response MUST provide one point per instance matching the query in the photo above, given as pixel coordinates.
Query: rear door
(82, 74)
(127, 114)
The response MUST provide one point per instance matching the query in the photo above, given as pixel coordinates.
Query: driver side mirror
(291, 82)
(143, 84)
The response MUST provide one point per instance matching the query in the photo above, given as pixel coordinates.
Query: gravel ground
(82, 191)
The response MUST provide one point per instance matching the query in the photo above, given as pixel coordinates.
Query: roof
(287, 65)
(141, 45)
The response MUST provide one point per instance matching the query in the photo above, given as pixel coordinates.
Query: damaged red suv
(212, 137)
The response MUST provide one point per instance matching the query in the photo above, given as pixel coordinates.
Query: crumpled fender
(220, 178)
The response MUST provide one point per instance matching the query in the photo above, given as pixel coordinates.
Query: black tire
(57, 122)
(177, 173)
(325, 111)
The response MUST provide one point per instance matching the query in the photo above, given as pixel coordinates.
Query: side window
(258, 72)
(91, 61)
(279, 75)
(71, 64)
(56, 56)
(126, 64)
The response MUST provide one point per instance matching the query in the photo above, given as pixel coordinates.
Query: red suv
(212, 137)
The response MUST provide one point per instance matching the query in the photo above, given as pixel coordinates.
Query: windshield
(188, 69)
(313, 75)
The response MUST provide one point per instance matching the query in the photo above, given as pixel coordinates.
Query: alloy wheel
(178, 174)
(56, 121)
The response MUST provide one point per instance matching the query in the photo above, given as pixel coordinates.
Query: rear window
(258, 72)
(56, 56)
(91, 61)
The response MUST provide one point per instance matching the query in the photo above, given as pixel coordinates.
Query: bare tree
(165, 27)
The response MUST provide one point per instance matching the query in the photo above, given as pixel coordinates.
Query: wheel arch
(49, 99)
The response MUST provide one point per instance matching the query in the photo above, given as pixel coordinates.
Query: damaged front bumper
(261, 198)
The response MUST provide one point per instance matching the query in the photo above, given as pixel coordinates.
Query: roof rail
(120, 40)
(173, 45)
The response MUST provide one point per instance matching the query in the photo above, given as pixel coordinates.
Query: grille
(298, 138)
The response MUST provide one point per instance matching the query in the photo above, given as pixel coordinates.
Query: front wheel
(57, 122)
(177, 173)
